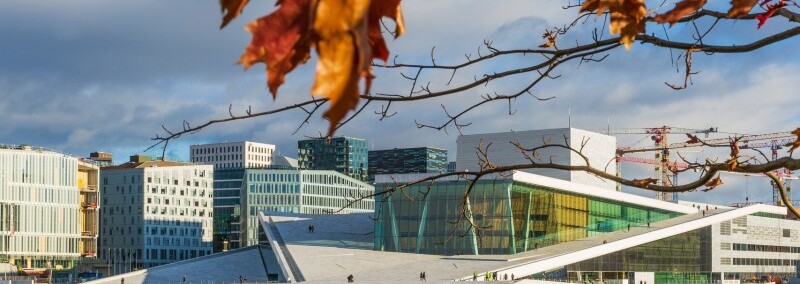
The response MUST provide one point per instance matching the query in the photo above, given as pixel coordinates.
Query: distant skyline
(88, 75)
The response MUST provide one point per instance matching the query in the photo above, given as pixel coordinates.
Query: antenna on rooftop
(569, 117)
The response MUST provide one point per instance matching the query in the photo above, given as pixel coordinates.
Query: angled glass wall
(511, 217)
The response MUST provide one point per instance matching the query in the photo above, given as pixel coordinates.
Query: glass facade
(511, 217)
(227, 200)
(342, 154)
(407, 161)
(683, 258)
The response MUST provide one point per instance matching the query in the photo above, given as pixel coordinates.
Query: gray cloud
(86, 75)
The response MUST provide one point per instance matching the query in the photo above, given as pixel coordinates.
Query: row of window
(765, 248)
(765, 261)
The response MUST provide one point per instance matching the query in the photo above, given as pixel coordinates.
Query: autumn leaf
(280, 41)
(692, 139)
(741, 7)
(346, 34)
(711, 184)
(732, 163)
(344, 55)
(771, 9)
(794, 145)
(627, 17)
(550, 36)
(682, 9)
(230, 10)
(377, 10)
(644, 183)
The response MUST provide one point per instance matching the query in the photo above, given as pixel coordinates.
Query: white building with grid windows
(155, 212)
(233, 155)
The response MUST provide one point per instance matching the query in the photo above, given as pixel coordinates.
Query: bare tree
(546, 63)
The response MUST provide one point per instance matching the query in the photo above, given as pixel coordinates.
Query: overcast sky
(80, 76)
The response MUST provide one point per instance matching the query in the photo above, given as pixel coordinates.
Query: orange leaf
(794, 145)
(377, 10)
(682, 9)
(741, 7)
(627, 17)
(717, 181)
(551, 38)
(344, 55)
(231, 9)
(644, 183)
(280, 40)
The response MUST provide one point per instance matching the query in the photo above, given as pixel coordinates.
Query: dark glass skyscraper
(407, 161)
(346, 155)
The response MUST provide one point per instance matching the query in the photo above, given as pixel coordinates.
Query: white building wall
(600, 149)
(755, 230)
(157, 214)
(39, 206)
(231, 155)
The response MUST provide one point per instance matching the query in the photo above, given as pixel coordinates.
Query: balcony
(89, 205)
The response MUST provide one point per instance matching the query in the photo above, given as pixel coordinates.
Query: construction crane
(663, 173)
(773, 141)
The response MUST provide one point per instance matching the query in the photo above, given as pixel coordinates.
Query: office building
(48, 216)
(103, 159)
(342, 154)
(407, 161)
(451, 167)
(233, 155)
(241, 194)
(599, 149)
(529, 226)
(155, 212)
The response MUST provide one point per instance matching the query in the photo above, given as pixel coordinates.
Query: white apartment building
(233, 155)
(599, 149)
(155, 212)
(46, 210)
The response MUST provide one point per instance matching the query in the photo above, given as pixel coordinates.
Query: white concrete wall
(758, 231)
(600, 149)
(243, 154)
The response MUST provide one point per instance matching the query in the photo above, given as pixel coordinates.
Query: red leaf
(771, 9)
(280, 40)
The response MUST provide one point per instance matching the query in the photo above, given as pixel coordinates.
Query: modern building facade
(296, 191)
(407, 161)
(598, 148)
(346, 155)
(103, 159)
(47, 215)
(517, 215)
(451, 167)
(233, 155)
(578, 233)
(155, 212)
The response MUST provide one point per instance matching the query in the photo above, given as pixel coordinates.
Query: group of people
(311, 228)
(423, 277)
(491, 276)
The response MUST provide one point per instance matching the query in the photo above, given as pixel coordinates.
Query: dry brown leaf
(741, 7)
(550, 36)
(732, 163)
(692, 139)
(711, 184)
(344, 55)
(231, 9)
(644, 183)
(280, 40)
(377, 10)
(794, 145)
(682, 9)
(627, 17)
